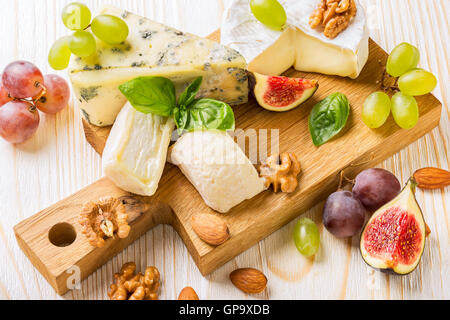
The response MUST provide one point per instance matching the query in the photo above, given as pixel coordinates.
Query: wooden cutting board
(177, 200)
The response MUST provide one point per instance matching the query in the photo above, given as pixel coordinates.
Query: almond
(432, 178)
(210, 228)
(249, 280)
(427, 230)
(188, 294)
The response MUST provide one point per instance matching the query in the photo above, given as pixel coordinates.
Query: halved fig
(394, 237)
(277, 93)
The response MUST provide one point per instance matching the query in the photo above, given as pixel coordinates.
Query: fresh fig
(394, 237)
(375, 187)
(277, 93)
(343, 214)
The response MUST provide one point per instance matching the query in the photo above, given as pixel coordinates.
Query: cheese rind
(217, 168)
(136, 150)
(273, 52)
(153, 49)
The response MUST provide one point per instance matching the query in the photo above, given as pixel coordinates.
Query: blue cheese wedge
(153, 49)
(136, 150)
(272, 52)
(217, 168)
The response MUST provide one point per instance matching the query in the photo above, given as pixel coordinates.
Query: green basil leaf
(328, 117)
(150, 95)
(190, 92)
(180, 115)
(209, 114)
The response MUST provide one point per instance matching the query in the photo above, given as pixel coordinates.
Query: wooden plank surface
(254, 219)
(58, 161)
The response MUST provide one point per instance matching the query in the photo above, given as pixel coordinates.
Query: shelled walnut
(333, 15)
(131, 286)
(104, 218)
(281, 171)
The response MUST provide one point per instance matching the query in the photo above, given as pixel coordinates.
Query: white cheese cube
(217, 168)
(136, 150)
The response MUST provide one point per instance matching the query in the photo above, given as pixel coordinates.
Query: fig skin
(405, 200)
(271, 91)
(343, 214)
(375, 187)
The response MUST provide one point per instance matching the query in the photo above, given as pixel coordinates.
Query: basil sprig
(150, 95)
(204, 114)
(328, 117)
(157, 95)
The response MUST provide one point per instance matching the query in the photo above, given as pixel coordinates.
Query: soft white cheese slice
(136, 150)
(273, 52)
(217, 168)
(153, 49)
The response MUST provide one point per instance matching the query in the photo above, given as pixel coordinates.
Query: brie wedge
(153, 49)
(272, 52)
(136, 150)
(217, 168)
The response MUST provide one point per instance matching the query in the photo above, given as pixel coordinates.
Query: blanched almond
(210, 228)
(249, 280)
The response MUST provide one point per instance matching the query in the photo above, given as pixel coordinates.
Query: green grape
(403, 58)
(110, 29)
(376, 109)
(306, 237)
(269, 12)
(405, 110)
(76, 16)
(417, 82)
(59, 54)
(82, 44)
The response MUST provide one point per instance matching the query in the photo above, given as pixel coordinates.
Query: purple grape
(343, 214)
(375, 187)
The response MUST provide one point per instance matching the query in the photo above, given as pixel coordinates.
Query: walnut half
(131, 286)
(333, 15)
(281, 171)
(103, 219)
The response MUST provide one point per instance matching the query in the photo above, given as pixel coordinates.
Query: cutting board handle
(137, 206)
(53, 241)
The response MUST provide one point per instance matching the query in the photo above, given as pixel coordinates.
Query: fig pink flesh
(394, 235)
(283, 91)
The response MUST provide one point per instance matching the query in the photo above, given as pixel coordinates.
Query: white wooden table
(57, 161)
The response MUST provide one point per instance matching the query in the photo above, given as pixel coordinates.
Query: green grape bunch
(76, 16)
(412, 81)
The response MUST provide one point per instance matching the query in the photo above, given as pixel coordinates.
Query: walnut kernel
(333, 15)
(131, 286)
(103, 219)
(281, 171)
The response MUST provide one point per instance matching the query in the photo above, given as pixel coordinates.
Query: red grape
(22, 79)
(4, 97)
(57, 95)
(343, 214)
(375, 187)
(19, 120)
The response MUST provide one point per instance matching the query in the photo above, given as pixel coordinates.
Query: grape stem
(43, 92)
(31, 100)
(389, 84)
(342, 176)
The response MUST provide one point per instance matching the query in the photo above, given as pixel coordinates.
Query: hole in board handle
(62, 234)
